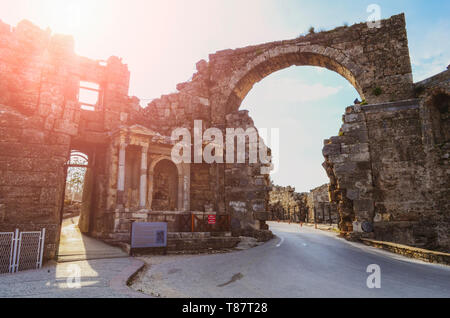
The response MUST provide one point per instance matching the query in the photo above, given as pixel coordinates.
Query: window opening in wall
(89, 95)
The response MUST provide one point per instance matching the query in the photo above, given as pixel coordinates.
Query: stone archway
(245, 79)
(279, 58)
(374, 60)
(282, 57)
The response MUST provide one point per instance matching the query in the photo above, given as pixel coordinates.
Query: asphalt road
(300, 262)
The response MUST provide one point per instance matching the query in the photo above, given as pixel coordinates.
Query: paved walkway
(75, 246)
(86, 267)
(103, 278)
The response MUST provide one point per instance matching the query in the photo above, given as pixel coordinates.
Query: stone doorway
(78, 213)
(75, 196)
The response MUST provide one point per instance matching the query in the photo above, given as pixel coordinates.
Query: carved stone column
(143, 184)
(186, 186)
(121, 175)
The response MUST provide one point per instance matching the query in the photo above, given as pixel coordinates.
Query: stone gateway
(389, 166)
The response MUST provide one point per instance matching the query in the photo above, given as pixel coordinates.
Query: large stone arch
(374, 60)
(281, 57)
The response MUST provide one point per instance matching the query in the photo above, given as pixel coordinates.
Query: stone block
(355, 117)
(331, 150)
(360, 157)
(358, 135)
(344, 168)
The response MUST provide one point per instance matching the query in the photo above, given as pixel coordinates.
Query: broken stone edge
(120, 282)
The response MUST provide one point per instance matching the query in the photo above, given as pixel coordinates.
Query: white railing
(21, 250)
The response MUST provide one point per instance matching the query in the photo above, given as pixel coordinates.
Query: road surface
(299, 262)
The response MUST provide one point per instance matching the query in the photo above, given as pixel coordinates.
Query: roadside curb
(119, 283)
(411, 252)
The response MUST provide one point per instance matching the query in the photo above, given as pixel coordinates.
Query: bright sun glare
(69, 16)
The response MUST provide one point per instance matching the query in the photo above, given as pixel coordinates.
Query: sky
(162, 40)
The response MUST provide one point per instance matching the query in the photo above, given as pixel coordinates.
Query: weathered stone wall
(202, 195)
(434, 94)
(387, 182)
(347, 163)
(34, 136)
(41, 121)
(398, 170)
(246, 192)
(320, 209)
(312, 207)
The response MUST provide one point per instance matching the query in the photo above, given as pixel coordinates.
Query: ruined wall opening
(165, 188)
(75, 181)
(89, 96)
(77, 198)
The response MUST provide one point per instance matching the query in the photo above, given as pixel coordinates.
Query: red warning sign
(211, 219)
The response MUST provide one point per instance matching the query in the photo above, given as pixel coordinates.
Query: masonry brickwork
(286, 204)
(389, 169)
(310, 207)
(320, 208)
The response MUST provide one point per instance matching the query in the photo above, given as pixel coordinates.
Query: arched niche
(180, 173)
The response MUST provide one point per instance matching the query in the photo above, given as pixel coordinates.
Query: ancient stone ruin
(286, 204)
(321, 209)
(313, 207)
(388, 168)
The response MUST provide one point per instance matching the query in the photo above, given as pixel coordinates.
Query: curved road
(299, 262)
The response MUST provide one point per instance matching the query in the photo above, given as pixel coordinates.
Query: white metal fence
(21, 250)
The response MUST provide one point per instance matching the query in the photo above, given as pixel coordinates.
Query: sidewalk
(75, 246)
(102, 278)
